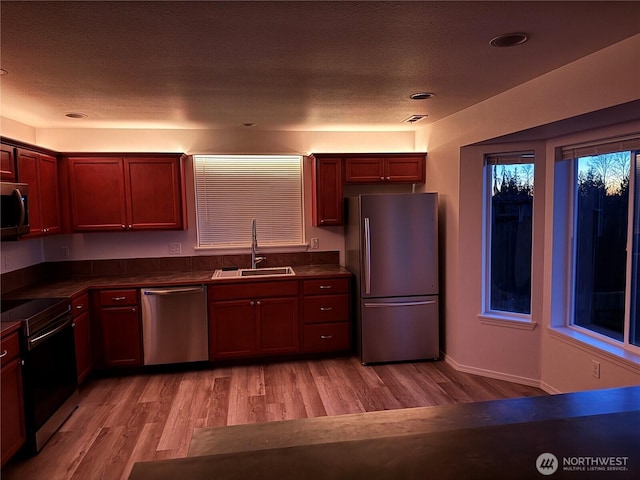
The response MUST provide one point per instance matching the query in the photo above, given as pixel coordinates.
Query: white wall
(607, 78)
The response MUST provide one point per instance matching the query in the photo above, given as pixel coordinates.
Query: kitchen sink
(251, 272)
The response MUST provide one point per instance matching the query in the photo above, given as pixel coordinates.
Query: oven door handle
(34, 342)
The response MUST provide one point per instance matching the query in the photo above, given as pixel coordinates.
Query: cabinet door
(278, 325)
(7, 164)
(327, 192)
(405, 169)
(11, 400)
(28, 173)
(97, 194)
(82, 335)
(49, 194)
(364, 170)
(153, 189)
(121, 336)
(232, 329)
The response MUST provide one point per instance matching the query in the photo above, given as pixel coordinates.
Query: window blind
(600, 148)
(234, 189)
(512, 158)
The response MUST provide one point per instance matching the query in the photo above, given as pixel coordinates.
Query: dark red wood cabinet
(119, 328)
(11, 399)
(253, 319)
(404, 168)
(82, 335)
(40, 171)
(120, 193)
(327, 181)
(7, 163)
(326, 315)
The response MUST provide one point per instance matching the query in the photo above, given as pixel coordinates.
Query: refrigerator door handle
(399, 304)
(367, 256)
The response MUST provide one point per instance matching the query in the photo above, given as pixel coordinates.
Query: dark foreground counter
(590, 435)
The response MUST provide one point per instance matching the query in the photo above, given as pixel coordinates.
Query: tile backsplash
(51, 271)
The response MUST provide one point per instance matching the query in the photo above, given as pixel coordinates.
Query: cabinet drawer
(253, 290)
(80, 304)
(112, 298)
(326, 308)
(326, 286)
(326, 337)
(11, 345)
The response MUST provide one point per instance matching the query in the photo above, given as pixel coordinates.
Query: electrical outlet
(315, 243)
(7, 261)
(175, 248)
(64, 252)
(595, 369)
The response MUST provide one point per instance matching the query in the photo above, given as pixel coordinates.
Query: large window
(508, 233)
(232, 190)
(605, 240)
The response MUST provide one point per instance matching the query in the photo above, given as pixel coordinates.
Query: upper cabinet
(40, 172)
(331, 171)
(7, 163)
(125, 192)
(327, 191)
(380, 168)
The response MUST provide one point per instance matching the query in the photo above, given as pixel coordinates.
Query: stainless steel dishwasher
(174, 324)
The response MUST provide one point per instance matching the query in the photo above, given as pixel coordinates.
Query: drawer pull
(326, 337)
(323, 287)
(326, 309)
(118, 299)
(80, 307)
(3, 354)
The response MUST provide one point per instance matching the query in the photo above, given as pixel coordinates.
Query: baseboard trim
(531, 382)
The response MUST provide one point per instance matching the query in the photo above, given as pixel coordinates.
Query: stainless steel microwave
(15, 210)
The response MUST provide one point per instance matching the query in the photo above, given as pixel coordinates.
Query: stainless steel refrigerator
(392, 249)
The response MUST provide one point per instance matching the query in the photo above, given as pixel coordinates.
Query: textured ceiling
(282, 65)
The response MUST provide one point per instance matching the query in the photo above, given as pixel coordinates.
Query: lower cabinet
(326, 319)
(11, 399)
(119, 327)
(253, 319)
(82, 335)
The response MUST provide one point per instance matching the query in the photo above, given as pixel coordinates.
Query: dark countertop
(485, 440)
(69, 288)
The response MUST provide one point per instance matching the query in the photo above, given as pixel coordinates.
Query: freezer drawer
(174, 324)
(399, 329)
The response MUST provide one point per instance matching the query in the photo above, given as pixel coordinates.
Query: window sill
(504, 321)
(588, 343)
(244, 249)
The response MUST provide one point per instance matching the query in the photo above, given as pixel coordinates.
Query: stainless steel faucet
(254, 246)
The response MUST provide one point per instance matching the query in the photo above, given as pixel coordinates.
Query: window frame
(237, 246)
(489, 315)
(575, 331)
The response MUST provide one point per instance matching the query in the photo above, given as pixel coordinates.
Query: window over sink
(232, 190)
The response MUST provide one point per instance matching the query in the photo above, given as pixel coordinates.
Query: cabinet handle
(326, 337)
(323, 287)
(388, 178)
(80, 307)
(252, 303)
(118, 299)
(326, 309)
(124, 227)
(134, 309)
(3, 354)
(258, 302)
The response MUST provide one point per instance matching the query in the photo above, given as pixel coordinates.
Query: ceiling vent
(414, 118)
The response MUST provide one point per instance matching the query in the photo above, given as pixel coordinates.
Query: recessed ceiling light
(75, 115)
(248, 124)
(414, 118)
(422, 95)
(509, 40)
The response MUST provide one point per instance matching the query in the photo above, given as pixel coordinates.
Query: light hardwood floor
(142, 417)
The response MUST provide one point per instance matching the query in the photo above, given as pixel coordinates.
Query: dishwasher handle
(172, 291)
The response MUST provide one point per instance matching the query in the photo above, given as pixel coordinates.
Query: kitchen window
(508, 238)
(232, 190)
(604, 244)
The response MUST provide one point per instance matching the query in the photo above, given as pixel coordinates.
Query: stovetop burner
(34, 313)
